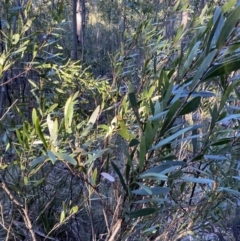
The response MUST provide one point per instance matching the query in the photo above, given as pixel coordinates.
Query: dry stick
(9, 108)
(115, 228)
(28, 222)
(112, 231)
(106, 220)
(23, 210)
(12, 198)
(4, 225)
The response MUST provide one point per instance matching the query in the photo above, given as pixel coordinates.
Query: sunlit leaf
(216, 157)
(65, 157)
(196, 180)
(51, 156)
(74, 210)
(153, 176)
(62, 216)
(94, 116)
(38, 160)
(15, 38)
(203, 68)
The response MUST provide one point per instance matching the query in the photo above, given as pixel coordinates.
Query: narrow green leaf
(191, 106)
(146, 188)
(221, 189)
(15, 38)
(190, 57)
(194, 141)
(123, 131)
(39, 132)
(74, 210)
(225, 97)
(222, 68)
(62, 216)
(151, 200)
(33, 83)
(154, 190)
(217, 27)
(170, 115)
(158, 116)
(38, 160)
(171, 138)
(94, 116)
(164, 166)
(142, 153)
(230, 117)
(120, 176)
(68, 114)
(38, 129)
(94, 176)
(182, 187)
(228, 5)
(34, 116)
(65, 157)
(19, 137)
(179, 34)
(53, 128)
(222, 142)
(196, 180)
(142, 212)
(51, 156)
(149, 135)
(133, 102)
(25, 181)
(228, 27)
(203, 68)
(216, 157)
(132, 97)
(153, 176)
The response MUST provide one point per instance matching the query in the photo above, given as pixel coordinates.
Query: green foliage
(158, 158)
(174, 88)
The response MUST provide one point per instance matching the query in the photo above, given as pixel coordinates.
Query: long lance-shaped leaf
(223, 68)
(190, 57)
(133, 102)
(191, 106)
(68, 114)
(203, 68)
(218, 24)
(228, 27)
(142, 212)
(116, 169)
(171, 138)
(38, 129)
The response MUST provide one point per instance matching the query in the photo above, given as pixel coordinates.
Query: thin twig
(9, 108)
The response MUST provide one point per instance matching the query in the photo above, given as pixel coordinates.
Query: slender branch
(8, 109)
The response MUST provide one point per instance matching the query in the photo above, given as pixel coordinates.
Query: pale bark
(80, 16)
(74, 24)
(184, 19)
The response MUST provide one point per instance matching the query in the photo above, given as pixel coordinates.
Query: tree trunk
(81, 17)
(74, 24)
